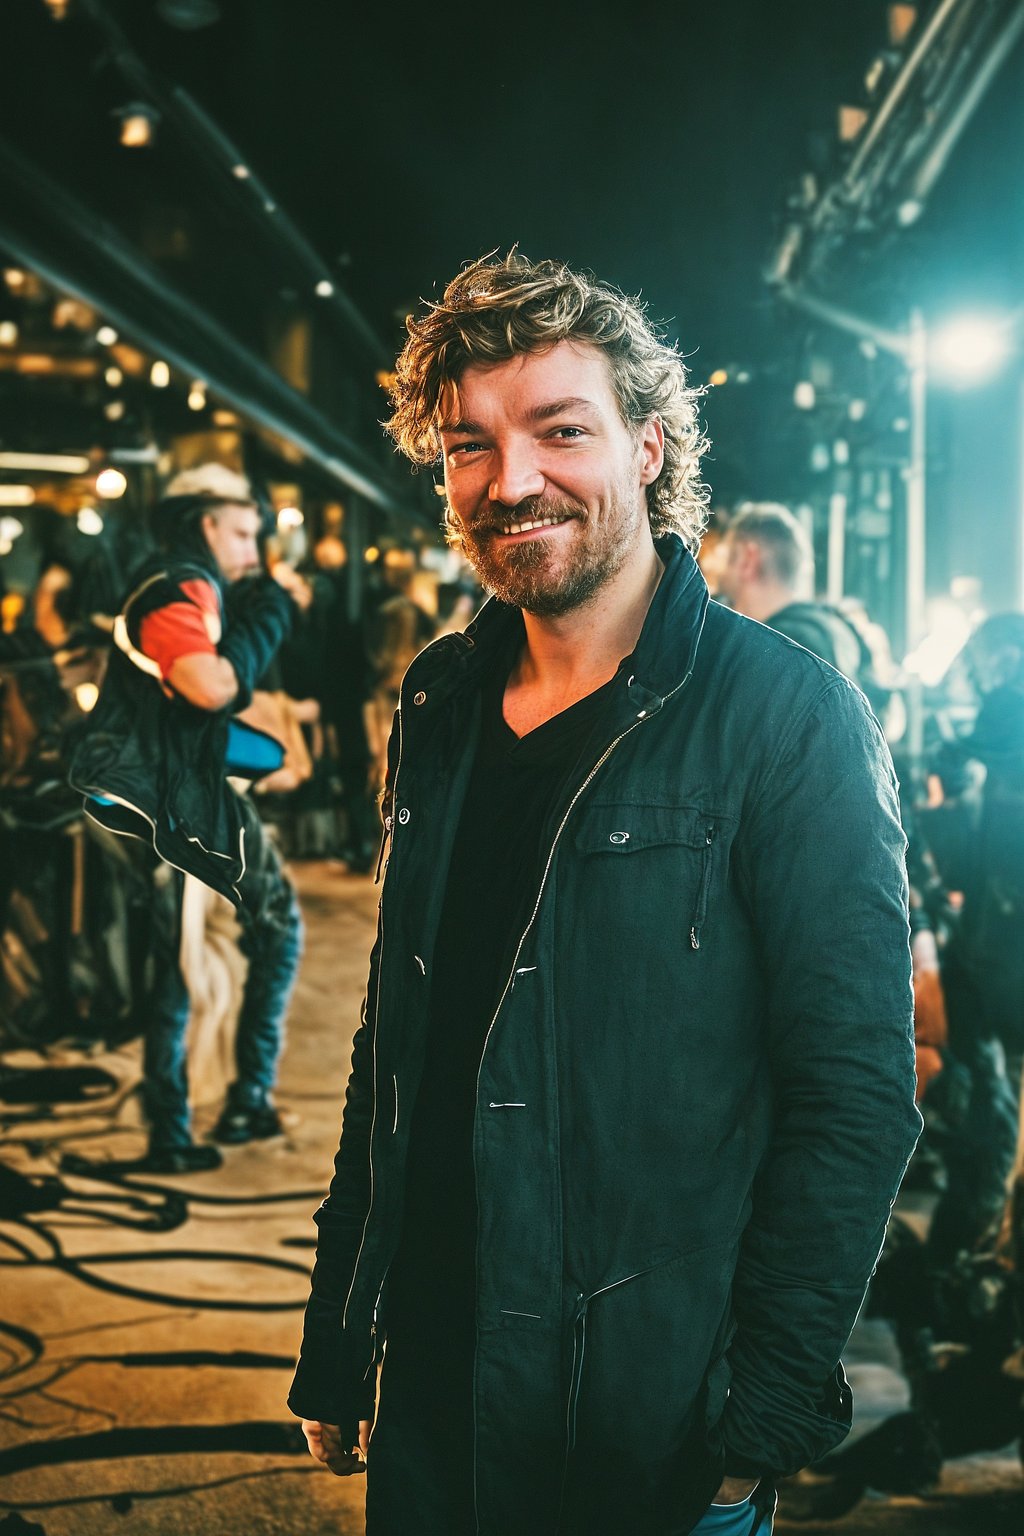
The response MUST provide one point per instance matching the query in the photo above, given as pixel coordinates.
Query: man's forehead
(572, 376)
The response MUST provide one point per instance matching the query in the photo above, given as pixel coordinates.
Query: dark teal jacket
(708, 1024)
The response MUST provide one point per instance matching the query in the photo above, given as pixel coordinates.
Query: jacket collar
(662, 659)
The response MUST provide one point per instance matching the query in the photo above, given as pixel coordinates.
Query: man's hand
(324, 1441)
(297, 587)
(733, 1490)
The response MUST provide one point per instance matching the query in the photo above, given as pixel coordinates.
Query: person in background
(194, 637)
(633, 1091)
(983, 963)
(397, 630)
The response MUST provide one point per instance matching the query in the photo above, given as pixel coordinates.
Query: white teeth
(527, 527)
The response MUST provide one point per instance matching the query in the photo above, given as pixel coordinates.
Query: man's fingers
(324, 1441)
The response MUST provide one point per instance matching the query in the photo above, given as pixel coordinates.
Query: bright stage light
(969, 349)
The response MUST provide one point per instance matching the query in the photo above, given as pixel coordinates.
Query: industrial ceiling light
(111, 484)
(16, 496)
(969, 349)
(89, 521)
(58, 9)
(60, 463)
(160, 374)
(138, 124)
(197, 396)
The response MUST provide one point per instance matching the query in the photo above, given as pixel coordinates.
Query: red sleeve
(182, 628)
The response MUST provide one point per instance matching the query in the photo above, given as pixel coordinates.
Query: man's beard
(518, 574)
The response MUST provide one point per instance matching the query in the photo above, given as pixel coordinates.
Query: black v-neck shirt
(493, 882)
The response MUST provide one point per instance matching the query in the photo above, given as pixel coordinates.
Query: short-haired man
(633, 1091)
(767, 573)
(194, 637)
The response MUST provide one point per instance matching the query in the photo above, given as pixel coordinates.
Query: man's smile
(518, 529)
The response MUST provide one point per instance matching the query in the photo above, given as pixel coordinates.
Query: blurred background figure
(398, 629)
(982, 772)
(179, 721)
(766, 571)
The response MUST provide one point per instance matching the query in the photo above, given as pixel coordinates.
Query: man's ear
(652, 450)
(751, 560)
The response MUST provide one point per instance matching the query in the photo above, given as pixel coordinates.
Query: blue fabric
(734, 1520)
(251, 752)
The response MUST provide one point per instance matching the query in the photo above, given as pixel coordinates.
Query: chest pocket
(625, 831)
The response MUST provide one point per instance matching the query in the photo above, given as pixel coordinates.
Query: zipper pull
(383, 846)
(694, 939)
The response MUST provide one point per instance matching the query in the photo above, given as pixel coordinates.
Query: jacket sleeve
(260, 619)
(332, 1380)
(823, 865)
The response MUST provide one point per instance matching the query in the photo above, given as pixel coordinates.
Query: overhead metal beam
(72, 247)
(214, 154)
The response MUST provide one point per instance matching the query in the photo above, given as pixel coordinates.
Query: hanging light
(89, 521)
(289, 517)
(58, 9)
(804, 396)
(86, 697)
(114, 377)
(111, 484)
(160, 374)
(8, 333)
(114, 410)
(324, 288)
(197, 396)
(138, 124)
(106, 336)
(14, 277)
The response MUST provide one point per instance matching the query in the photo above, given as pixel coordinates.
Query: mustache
(493, 515)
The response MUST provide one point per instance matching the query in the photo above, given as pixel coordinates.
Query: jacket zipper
(606, 754)
(700, 911)
(376, 1018)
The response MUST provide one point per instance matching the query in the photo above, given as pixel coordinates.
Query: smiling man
(633, 1090)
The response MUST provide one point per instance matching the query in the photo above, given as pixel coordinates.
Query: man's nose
(516, 476)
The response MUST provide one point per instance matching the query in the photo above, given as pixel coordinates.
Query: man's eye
(568, 434)
(464, 448)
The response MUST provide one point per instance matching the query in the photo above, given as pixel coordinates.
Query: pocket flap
(626, 829)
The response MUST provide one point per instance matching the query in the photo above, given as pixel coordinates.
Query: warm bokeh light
(110, 484)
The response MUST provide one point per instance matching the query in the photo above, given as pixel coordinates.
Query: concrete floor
(144, 1365)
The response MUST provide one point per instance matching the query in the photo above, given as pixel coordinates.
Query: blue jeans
(272, 941)
(743, 1519)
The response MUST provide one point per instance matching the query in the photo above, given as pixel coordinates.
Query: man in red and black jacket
(198, 630)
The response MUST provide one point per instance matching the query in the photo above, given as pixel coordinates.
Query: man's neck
(767, 599)
(568, 657)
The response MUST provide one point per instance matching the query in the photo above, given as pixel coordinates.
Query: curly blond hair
(501, 308)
